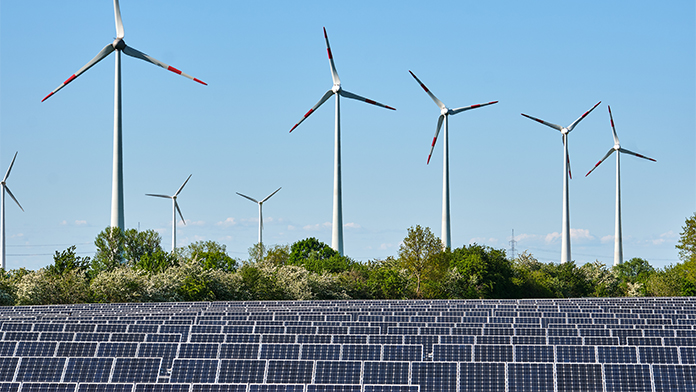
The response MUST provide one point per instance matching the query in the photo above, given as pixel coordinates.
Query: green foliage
(156, 262)
(116, 247)
(418, 254)
(259, 283)
(110, 245)
(687, 240)
(122, 284)
(633, 275)
(602, 279)
(211, 255)
(43, 288)
(317, 257)
(66, 261)
(277, 255)
(386, 280)
(479, 271)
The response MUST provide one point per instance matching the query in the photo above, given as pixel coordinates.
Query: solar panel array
(626, 344)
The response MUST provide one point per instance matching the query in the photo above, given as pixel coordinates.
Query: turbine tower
(5, 188)
(565, 231)
(175, 208)
(445, 112)
(338, 91)
(119, 45)
(260, 203)
(618, 242)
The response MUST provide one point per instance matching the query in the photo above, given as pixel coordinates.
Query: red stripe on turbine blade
(475, 106)
(434, 140)
(47, 97)
(370, 101)
(539, 121)
(70, 79)
(176, 71)
(389, 107)
(308, 113)
(428, 160)
(200, 81)
(425, 88)
(293, 128)
(328, 50)
(490, 103)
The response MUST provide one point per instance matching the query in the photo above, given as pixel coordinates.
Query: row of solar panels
(429, 376)
(144, 387)
(359, 352)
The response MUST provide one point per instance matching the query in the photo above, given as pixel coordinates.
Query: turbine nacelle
(119, 44)
(336, 88)
(445, 111)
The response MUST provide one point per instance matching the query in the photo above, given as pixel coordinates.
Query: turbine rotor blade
(432, 96)
(571, 126)
(9, 192)
(548, 124)
(247, 197)
(621, 149)
(613, 130)
(459, 110)
(437, 131)
(179, 211)
(269, 196)
(10, 168)
(315, 107)
(600, 161)
(570, 173)
(334, 73)
(347, 94)
(182, 186)
(99, 57)
(140, 55)
(154, 195)
(119, 23)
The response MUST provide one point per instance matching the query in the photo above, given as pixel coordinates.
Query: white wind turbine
(618, 242)
(445, 112)
(175, 208)
(565, 231)
(5, 188)
(119, 45)
(338, 91)
(260, 203)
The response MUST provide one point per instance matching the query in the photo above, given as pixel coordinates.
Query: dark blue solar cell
(136, 370)
(198, 350)
(452, 352)
(391, 388)
(481, 377)
(219, 388)
(113, 349)
(280, 351)
(434, 376)
(46, 387)
(40, 369)
(676, 378)
(112, 327)
(385, 373)
(76, 349)
(402, 353)
(206, 338)
(289, 372)
(617, 354)
(276, 388)
(386, 339)
(162, 387)
(634, 378)
(530, 376)
(649, 354)
(243, 338)
(7, 368)
(194, 370)
(92, 337)
(277, 338)
(9, 386)
(57, 336)
(490, 353)
(102, 387)
(572, 377)
(88, 370)
(337, 372)
(533, 353)
(25, 336)
(80, 327)
(333, 388)
(238, 371)
(36, 349)
(127, 337)
(329, 352)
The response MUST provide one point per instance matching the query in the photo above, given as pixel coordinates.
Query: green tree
(418, 254)
(67, 260)
(116, 247)
(316, 256)
(479, 271)
(687, 240)
(110, 245)
(211, 255)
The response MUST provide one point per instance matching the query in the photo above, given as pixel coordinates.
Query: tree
(211, 255)
(418, 254)
(316, 256)
(110, 244)
(479, 271)
(66, 261)
(687, 240)
(116, 247)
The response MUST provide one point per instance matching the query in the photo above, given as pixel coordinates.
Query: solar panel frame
(194, 370)
(88, 370)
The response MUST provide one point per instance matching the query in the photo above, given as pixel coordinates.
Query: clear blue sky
(266, 66)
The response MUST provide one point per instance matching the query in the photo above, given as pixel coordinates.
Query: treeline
(131, 266)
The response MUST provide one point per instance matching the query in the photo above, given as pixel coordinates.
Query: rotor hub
(444, 111)
(336, 88)
(119, 44)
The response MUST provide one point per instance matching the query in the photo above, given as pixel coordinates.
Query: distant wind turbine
(565, 232)
(260, 203)
(444, 116)
(119, 45)
(5, 188)
(618, 242)
(337, 226)
(175, 208)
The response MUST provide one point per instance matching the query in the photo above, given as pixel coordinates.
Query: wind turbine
(260, 203)
(565, 231)
(175, 208)
(618, 242)
(338, 91)
(445, 112)
(5, 188)
(119, 45)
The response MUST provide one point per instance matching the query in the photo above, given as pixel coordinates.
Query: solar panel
(16, 336)
(88, 370)
(7, 349)
(572, 377)
(435, 376)
(337, 372)
(533, 353)
(198, 350)
(634, 378)
(617, 354)
(36, 349)
(40, 369)
(530, 376)
(9, 386)
(194, 370)
(676, 378)
(57, 336)
(162, 387)
(650, 354)
(86, 387)
(136, 370)
(482, 377)
(127, 337)
(492, 353)
(280, 351)
(349, 339)
(391, 388)
(219, 388)
(277, 338)
(242, 371)
(452, 352)
(402, 353)
(8, 365)
(91, 337)
(385, 372)
(329, 352)
(276, 388)
(289, 372)
(111, 328)
(45, 387)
